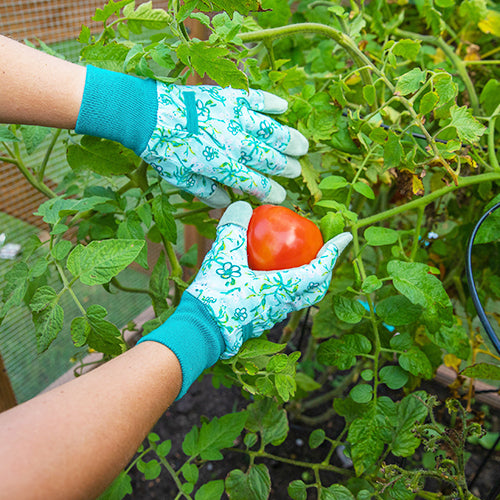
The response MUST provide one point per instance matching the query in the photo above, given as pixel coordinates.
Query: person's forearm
(38, 89)
(74, 440)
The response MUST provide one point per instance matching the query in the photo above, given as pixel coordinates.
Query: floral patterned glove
(197, 137)
(244, 302)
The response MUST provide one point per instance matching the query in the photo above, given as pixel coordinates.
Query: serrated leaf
(55, 209)
(333, 182)
(42, 298)
(159, 284)
(397, 310)
(362, 393)
(61, 249)
(379, 236)
(392, 150)
(342, 352)
(190, 473)
(369, 94)
(467, 127)
(348, 310)
(33, 136)
(259, 347)
(48, 324)
(100, 261)
(407, 48)
(454, 339)
(80, 330)
(428, 103)
(336, 492)
(110, 56)
(162, 213)
(254, 485)
(145, 17)
(269, 420)
(213, 436)
(110, 8)
(15, 288)
(104, 336)
(120, 488)
(331, 225)
(214, 62)
(416, 362)
(6, 134)
(310, 177)
(297, 490)
(410, 82)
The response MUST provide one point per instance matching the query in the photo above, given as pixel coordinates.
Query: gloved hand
(228, 302)
(196, 137)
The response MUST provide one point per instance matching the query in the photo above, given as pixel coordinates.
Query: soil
(203, 400)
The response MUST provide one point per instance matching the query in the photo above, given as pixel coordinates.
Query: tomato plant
(279, 238)
(400, 104)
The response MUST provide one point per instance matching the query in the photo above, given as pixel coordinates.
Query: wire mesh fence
(58, 24)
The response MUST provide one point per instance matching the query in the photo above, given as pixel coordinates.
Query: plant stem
(416, 237)
(425, 200)
(67, 286)
(175, 477)
(291, 326)
(128, 289)
(491, 141)
(43, 166)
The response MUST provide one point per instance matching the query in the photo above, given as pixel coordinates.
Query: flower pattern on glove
(206, 136)
(243, 302)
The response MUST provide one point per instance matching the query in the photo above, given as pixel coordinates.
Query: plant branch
(43, 166)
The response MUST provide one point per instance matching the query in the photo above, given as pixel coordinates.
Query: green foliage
(403, 129)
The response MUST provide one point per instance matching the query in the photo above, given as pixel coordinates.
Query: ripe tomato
(278, 238)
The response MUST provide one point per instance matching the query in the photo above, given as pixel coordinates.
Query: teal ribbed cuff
(119, 107)
(193, 336)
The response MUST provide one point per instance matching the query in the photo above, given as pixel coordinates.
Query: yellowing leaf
(491, 24)
(452, 361)
(417, 186)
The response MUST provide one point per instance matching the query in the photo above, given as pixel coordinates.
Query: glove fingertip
(276, 195)
(238, 213)
(219, 199)
(274, 104)
(341, 241)
(298, 145)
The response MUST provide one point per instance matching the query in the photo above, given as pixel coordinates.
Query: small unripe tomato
(279, 238)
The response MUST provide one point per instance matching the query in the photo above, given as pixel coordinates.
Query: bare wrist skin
(38, 89)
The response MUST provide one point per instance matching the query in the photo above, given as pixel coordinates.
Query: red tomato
(278, 238)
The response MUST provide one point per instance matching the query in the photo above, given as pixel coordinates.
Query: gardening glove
(228, 302)
(196, 137)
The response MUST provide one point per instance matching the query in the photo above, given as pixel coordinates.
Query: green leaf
(342, 352)
(333, 182)
(145, 17)
(214, 62)
(364, 189)
(411, 411)
(268, 419)
(212, 490)
(285, 386)
(310, 177)
(15, 288)
(378, 236)
(369, 94)
(397, 310)
(100, 261)
(348, 310)
(259, 347)
(306, 383)
(336, 492)
(489, 97)
(61, 249)
(190, 473)
(101, 156)
(33, 136)
(428, 103)
(401, 341)
(120, 488)
(55, 209)
(489, 230)
(331, 225)
(104, 336)
(110, 56)
(297, 490)
(407, 48)
(482, 370)
(159, 284)
(42, 298)
(162, 213)
(370, 284)
(48, 324)
(361, 393)
(80, 330)
(445, 87)
(163, 449)
(468, 128)
(410, 82)
(316, 438)
(109, 9)
(190, 258)
(254, 485)
(412, 279)
(392, 150)
(213, 436)
(416, 362)
(131, 228)
(151, 469)
(454, 339)
(6, 135)
(393, 377)
(229, 6)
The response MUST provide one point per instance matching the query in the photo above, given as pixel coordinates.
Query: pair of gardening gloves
(199, 138)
